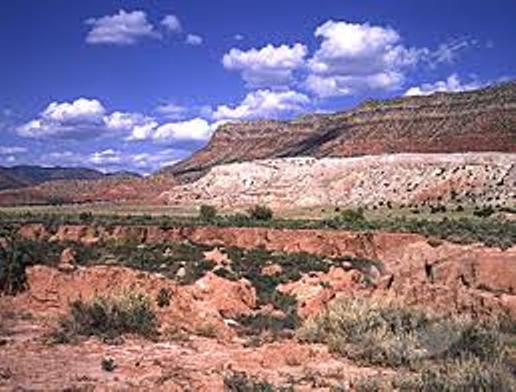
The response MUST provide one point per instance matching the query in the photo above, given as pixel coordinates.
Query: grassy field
(493, 228)
(311, 213)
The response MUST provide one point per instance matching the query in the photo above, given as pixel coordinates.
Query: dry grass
(109, 317)
(431, 353)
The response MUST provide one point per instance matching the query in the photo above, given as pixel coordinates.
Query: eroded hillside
(388, 181)
(132, 307)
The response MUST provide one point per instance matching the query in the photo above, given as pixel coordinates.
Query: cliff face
(482, 120)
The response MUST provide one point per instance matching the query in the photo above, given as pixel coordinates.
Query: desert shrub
(241, 382)
(349, 219)
(86, 217)
(13, 278)
(235, 220)
(15, 255)
(163, 297)
(484, 212)
(206, 329)
(258, 323)
(166, 258)
(260, 213)
(352, 215)
(108, 364)
(464, 374)
(110, 317)
(392, 335)
(207, 213)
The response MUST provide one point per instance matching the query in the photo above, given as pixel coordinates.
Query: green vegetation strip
(481, 228)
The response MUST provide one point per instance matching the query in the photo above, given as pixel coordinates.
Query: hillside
(482, 120)
(20, 176)
(412, 181)
(120, 188)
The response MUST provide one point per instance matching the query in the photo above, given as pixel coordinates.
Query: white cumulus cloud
(451, 84)
(81, 118)
(194, 129)
(269, 66)
(355, 57)
(264, 104)
(123, 28)
(172, 111)
(12, 150)
(193, 39)
(172, 23)
(105, 157)
(82, 109)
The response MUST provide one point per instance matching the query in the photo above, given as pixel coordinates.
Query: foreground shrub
(15, 256)
(385, 334)
(466, 374)
(110, 317)
(241, 382)
(207, 213)
(260, 213)
(13, 278)
(108, 364)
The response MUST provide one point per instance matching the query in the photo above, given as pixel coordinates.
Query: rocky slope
(483, 120)
(399, 180)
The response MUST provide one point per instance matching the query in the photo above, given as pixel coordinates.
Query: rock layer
(403, 180)
(482, 120)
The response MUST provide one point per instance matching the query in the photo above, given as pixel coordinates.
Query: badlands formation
(385, 181)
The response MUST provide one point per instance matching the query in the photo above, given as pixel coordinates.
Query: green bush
(13, 278)
(260, 213)
(207, 213)
(110, 317)
(15, 255)
(352, 216)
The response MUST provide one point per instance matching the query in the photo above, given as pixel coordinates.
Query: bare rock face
(483, 120)
(67, 260)
(402, 180)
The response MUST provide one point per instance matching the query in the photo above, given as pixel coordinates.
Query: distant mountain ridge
(29, 175)
(474, 121)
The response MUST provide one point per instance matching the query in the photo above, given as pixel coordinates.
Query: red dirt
(449, 278)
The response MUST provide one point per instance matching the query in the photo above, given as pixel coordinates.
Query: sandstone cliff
(482, 120)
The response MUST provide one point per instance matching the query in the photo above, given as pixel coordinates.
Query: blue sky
(139, 84)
